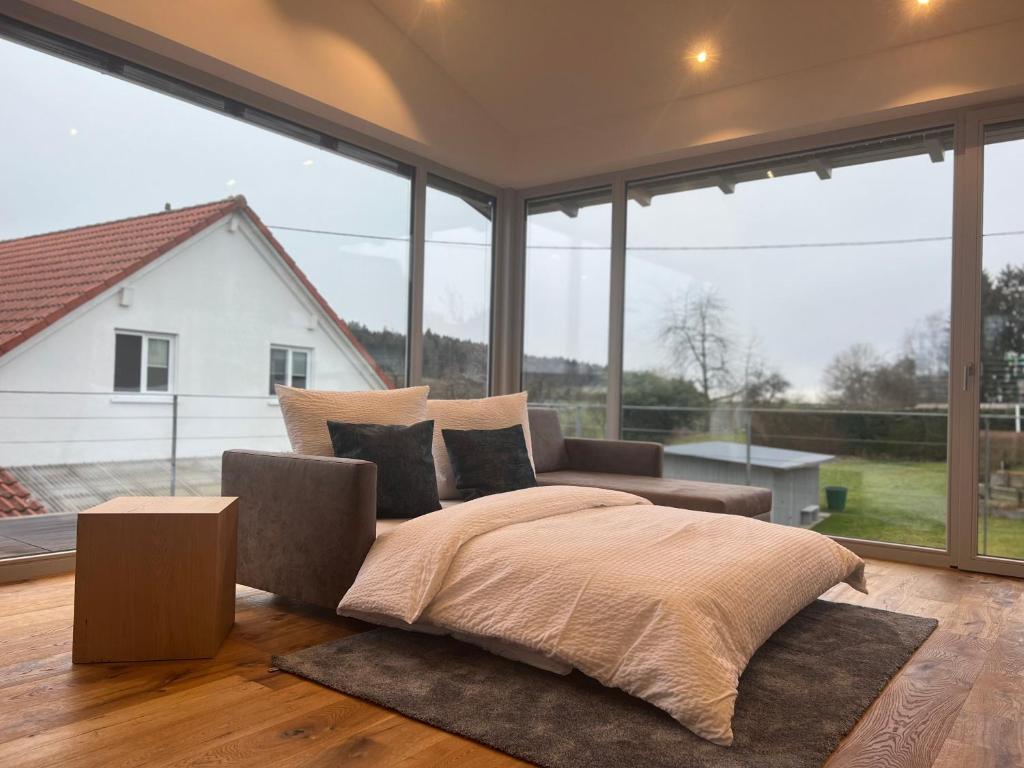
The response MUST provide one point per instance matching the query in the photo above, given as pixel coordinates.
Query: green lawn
(903, 502)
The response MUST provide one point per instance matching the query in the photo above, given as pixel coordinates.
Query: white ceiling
(538, 65)
(521, 93)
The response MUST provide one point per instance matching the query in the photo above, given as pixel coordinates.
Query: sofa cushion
(483, 413)
(744, 500)
(406, 486)
(549, 452)
(489, 461)
(306, 412)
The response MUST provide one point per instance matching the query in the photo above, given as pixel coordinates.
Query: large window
(95, 148)
(787, 324)
(457, 290)
(248, 242)
(565, 345)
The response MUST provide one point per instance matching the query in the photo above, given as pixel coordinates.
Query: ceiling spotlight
(771, 174)
(307, 163)
(231, 183)
(701, 56)
(923, 2)
(73, 132)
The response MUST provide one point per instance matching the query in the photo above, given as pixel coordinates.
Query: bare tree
(696, 331)
(927, 343)
(850, 377)
(759, 383)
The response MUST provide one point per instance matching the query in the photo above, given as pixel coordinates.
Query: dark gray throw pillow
(406, 483)
(487, 461)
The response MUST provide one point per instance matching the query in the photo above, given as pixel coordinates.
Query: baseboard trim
(36, 566)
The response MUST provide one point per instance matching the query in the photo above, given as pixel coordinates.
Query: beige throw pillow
(485, 413)
(306, 412)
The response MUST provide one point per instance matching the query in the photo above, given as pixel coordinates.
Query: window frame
(289, 369)
(145, 336)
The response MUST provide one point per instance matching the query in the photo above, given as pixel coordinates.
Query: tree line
(709, 365)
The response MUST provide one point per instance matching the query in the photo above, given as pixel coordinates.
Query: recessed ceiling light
(701, 56)
(307, 163)
(922, 2)
(231, 183)
(73, 132)
(771, 174)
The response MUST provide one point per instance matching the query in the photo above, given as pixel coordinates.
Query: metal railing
(76, 446)
(998, 423)
(79, 446)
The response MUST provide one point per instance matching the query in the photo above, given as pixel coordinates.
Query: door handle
(968, 373)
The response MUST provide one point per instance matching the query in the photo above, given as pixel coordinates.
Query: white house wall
(225, 297)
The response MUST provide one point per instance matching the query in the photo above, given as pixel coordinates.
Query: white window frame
(144, 358)
(289, 370)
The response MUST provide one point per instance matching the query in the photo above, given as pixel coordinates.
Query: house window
(290, 367)
(142, 362)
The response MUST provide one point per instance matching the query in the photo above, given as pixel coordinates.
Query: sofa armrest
(622, 457)
(305, 523)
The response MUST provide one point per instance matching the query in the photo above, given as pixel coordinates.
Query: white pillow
(306, 412)
(485, 413)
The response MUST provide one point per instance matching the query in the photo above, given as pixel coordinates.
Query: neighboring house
(117, 318)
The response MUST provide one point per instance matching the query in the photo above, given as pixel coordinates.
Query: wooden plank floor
(959, 703)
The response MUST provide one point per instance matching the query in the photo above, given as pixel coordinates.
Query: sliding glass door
(787, 325)
(993, 531)
(843, 324)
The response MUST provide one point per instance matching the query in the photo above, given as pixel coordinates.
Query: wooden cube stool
(155, 578)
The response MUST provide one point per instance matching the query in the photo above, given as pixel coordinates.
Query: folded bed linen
(666, 604)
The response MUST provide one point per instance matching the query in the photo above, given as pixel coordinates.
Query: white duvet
(667, 604)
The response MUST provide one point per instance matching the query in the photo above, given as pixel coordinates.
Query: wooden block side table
(154, 578)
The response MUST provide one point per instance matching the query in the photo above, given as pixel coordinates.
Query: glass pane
(457, 291)
(565, 345)
(299, 369)
(159, 353)
(1001, 453)
(127, 363)
(787, 325)
(156, 379)
(267, 216)
(278, 368)
(157, 365)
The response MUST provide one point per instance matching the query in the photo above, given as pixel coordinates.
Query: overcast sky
(80, 147)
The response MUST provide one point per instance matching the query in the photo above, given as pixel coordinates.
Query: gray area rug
(802, 693)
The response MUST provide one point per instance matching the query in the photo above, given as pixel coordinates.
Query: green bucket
(835, 497)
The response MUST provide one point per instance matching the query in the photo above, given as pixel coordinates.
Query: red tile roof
(15, 499)
(44, 277)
